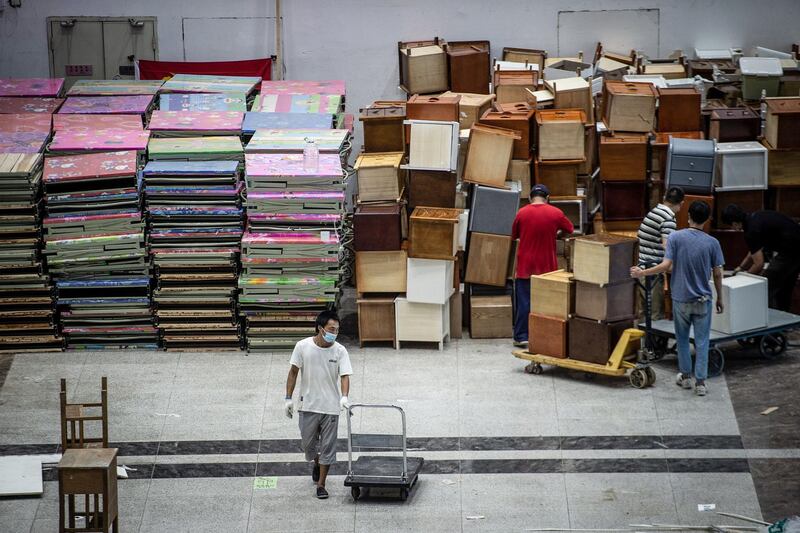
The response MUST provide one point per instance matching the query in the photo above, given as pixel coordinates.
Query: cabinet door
(124, 41)
(76, 49)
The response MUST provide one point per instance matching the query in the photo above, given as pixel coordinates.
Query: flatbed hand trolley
(641, 375)
(770, 341)
(392, 472)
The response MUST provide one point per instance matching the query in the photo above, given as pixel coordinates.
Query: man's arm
(566, 225)
(291, 380)
(515, 228)
(745, 264)
(345, 385)
(758, 262)
(664, 266)
(718, 287)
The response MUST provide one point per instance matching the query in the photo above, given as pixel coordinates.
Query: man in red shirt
(536, 226)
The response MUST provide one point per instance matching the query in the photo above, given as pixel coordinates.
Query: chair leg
(60, 510)
(71, 510)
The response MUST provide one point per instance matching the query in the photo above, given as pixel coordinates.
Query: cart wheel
(660, 347)
(772, 346)
(534, 368)
(404, 494)
(749, 342)
(716, 362)
(355, 492)
(651, 375)
(589, 376)
(638, 378)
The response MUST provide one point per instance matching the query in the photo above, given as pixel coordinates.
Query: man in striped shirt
(653, 233)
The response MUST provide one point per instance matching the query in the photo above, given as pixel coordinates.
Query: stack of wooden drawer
(561, 144)
(604, 295)
(490, 260)
(628, 110)
(552, 306)
(782, 139)
(623, 176)
(423, 315)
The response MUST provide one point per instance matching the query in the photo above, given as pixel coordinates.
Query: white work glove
(344, 403)
(288, 408)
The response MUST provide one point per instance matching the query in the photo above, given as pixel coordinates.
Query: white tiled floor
(471, 389)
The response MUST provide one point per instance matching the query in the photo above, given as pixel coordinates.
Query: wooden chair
(93, 475)
(75, 415)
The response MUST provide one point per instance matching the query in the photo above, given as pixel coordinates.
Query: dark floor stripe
(429, 444)
(449, 466)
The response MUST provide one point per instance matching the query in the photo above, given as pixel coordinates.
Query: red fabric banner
(157, 70)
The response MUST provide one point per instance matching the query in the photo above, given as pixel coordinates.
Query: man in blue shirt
(693, 256)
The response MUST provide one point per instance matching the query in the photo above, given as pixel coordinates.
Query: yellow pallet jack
(640, 376)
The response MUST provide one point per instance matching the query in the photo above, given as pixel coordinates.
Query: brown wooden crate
(381, 271)
(548, 336)
(490, 317)
(487, 263)
(376, 319)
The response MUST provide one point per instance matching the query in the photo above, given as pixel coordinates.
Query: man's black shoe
(322, 494)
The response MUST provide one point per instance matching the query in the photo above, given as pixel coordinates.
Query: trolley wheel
(589, 376)
(638, 378)
(716, 362)
(772, 346)
(660, 347)
(749, 342)
(534, 368)
(355, 492)
(404, 493)
(651, 375)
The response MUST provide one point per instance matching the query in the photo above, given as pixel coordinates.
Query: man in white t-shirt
(321, 362)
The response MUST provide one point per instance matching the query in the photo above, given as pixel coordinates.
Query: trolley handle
(350, 432)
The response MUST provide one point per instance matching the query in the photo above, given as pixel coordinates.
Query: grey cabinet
(690, 165)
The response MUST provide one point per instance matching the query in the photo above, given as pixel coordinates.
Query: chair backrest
(75, 415)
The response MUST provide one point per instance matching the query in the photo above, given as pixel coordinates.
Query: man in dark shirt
(771, 237)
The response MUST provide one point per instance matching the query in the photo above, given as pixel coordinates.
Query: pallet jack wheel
(638, 378)
(355, 492)
(534, 368)
(772, 346)
(651, 375)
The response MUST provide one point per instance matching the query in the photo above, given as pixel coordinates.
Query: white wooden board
(20, 476)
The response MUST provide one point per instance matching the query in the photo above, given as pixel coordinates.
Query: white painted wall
(356, 39)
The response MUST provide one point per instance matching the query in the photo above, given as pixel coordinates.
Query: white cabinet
(430, 281)
(741, 166)
(746, 301)
(421, 322)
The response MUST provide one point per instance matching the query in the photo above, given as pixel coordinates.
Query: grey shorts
(319, 433)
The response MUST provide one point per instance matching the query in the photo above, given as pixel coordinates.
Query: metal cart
(641, 375)
(392, 472)
(770, 341)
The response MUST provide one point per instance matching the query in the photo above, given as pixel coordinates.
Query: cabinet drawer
(690, 180)
(693, 164)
